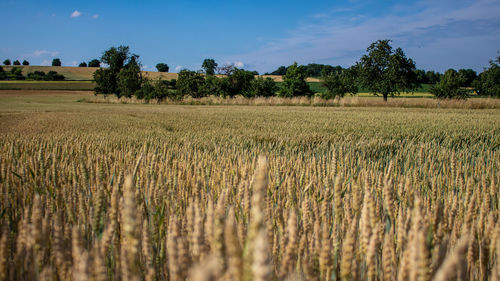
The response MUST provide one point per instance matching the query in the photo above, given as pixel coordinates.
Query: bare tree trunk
(385, 97)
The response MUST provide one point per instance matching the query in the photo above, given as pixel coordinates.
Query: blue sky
(256, 35)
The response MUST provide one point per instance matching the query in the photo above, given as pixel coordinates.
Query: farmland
(169, 192)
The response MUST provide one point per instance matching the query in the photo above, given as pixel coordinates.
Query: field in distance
(171, 191)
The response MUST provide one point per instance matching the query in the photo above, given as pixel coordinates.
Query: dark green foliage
(105, 80)
(146, 91)
(122, 77)
(56, 62)
(238, 82)
(312, 69)
(3, 75)
(16, 62)
(15, 73)
(450, 86)
(6, 62)
(294, 82)
(386, 71)
(129, 79)
(190, 83)
(280, 71)
(25, 62)
(37, 75)
(41, 76)
(213, 86)
(54, 76)
(261, 87)
(209, 65)
(488, 82)
(468, 76)
(82, 64)
(421, 77)
(433, 77)
(339, 83)
(94, 63)
(157, 90)
(162, 67)
(116, 57)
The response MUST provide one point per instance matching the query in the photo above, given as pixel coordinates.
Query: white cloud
(96, 16)
(342, 37)
(46, 62)
(76, 14)
(178, 68)
(40, 53)
(74, 63)
(239, 64)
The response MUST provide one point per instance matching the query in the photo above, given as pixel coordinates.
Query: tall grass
(476, 103)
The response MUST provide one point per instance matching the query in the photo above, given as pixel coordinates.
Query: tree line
(16, 73)
(383, 71)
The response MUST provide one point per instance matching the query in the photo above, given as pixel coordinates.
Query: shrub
(54, 76)
(6, 62)
(261, 87)
(3, 75)
(450, 86)
(16, 62)
(190, 83)
(56, 62)
(488, 82)
(162, 67)
(338, 83)
(94, 63)
(25, 62)
(82, 64)
(294, 82)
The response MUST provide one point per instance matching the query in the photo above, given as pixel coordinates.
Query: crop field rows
(162, 192)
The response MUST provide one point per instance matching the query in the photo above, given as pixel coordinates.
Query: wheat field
(170, 192)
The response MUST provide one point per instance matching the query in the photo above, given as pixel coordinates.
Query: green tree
(54, 76)
(3, 75)
(261, 87)
(339, 83)
(162, 67)
(94, 63)
(16, 62)
(129, 79)
(116, 57)
(239, 82)
(16, 73)
(190, 83)
(82, 64)
(209, 65)
(25, 62)
(432, 77)
(386, 71)
(107, 78)
(294, 82)
(468, 75)
(488, 82)
(6, 62)
(450, 86)
(421, 77)
(56, 62)
(280, 71)
(213, 86)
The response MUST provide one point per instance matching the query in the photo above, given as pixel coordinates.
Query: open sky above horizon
(255, 35)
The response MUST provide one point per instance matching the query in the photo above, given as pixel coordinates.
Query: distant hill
(85, 73)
